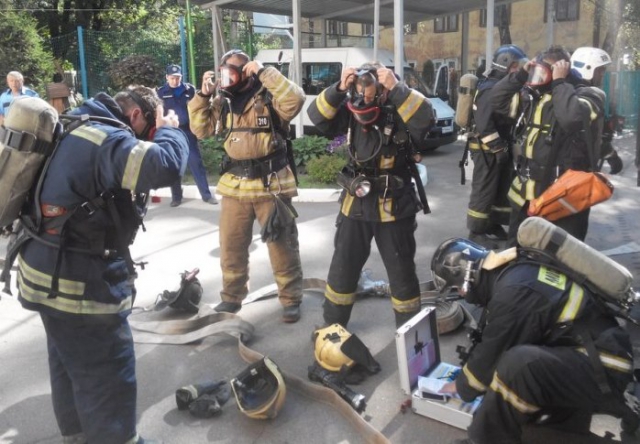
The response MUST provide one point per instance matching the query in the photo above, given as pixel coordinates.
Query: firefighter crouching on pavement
(549, 354)
(78, 272)
(567, 117)
(253, 108)
(381, 116)
(491, 152)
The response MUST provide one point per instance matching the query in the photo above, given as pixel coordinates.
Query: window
(317, 76)
(367, 29)
(411, 28)
(565, 11)
(336, 27)
(446, 24)
(501, 11)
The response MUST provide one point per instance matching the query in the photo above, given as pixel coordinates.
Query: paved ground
(182, 238)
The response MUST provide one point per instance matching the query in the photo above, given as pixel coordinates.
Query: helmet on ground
(260, 390)
(328, 344)
(505, 56)
(188, 297)
(585, 60)
(457, 262)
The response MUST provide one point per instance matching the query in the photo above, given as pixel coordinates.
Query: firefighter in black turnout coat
(382, 117)
(489, 208)
(548, 353)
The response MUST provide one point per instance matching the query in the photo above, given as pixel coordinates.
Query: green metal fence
(623, 95)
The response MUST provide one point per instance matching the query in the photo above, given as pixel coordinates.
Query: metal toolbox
(419, 356)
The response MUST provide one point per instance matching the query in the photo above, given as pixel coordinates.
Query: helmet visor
(539, 75)
(230, 76)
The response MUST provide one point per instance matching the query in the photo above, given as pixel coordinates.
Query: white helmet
(585, 60)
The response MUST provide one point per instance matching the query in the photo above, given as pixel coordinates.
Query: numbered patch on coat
(262, 121)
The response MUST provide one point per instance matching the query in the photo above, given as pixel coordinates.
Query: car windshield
(414, 81)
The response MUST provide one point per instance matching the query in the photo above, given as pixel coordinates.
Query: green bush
(212, 151)
(325, 168)
(306, 148)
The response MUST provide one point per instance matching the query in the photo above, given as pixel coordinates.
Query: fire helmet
(586, 59)
(328, 344)
(260, 390)
(456, 263)
(505, 56)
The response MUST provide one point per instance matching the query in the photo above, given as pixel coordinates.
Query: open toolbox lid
(418, 339)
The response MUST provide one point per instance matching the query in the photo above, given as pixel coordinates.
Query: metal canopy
(356, 11)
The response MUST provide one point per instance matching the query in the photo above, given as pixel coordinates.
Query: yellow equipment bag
(573, 192)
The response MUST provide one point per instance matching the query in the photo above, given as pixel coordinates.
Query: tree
(22, 49)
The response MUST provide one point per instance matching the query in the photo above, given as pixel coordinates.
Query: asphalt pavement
(182, 238)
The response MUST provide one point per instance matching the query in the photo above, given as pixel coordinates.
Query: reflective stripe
(339, 298)
(90, 133)
(573, 304)
(406, 306)
(611, 361)
(67, 305)
(385, 205)
(593, 115)
(410, 105)
(514, 193)
(490, 138)
(500, 209)
(568, 206)
(134, 164)
(243, 188)
(347, 203)
(386, 163)
(473, 381)
(514, 106)
(69, 287)
(324, 108)
(534, 131)
(552, 277)
(477, 214)
(511, 397)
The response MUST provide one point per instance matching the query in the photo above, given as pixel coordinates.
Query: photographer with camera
(252, 108)
(382, 117)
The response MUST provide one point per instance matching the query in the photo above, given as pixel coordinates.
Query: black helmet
(505, 56)
(186, 298)
(456, 263)
(260, 390)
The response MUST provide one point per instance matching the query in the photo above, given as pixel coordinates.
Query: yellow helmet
(328, 344)
(260, 390)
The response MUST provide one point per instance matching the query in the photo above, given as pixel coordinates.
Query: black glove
(282, 218)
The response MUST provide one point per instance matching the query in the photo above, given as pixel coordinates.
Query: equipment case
(419, 355)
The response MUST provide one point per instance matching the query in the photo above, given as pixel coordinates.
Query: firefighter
(564, 130)
(549, 352)
(252, 108)
(382, 117)
(491, 152)
(77, 272)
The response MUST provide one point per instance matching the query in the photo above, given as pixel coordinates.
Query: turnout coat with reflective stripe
(536, 305)
(93, 158)
(413, 112)
(563, 111)
(251, 136)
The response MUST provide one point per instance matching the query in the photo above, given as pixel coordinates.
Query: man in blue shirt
(175, 94)
(15, 82)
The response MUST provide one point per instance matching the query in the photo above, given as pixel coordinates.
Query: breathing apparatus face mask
(231, 78)
(540, 75)
(365, 111)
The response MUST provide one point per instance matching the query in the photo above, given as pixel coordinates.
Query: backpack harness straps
(56, 221)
